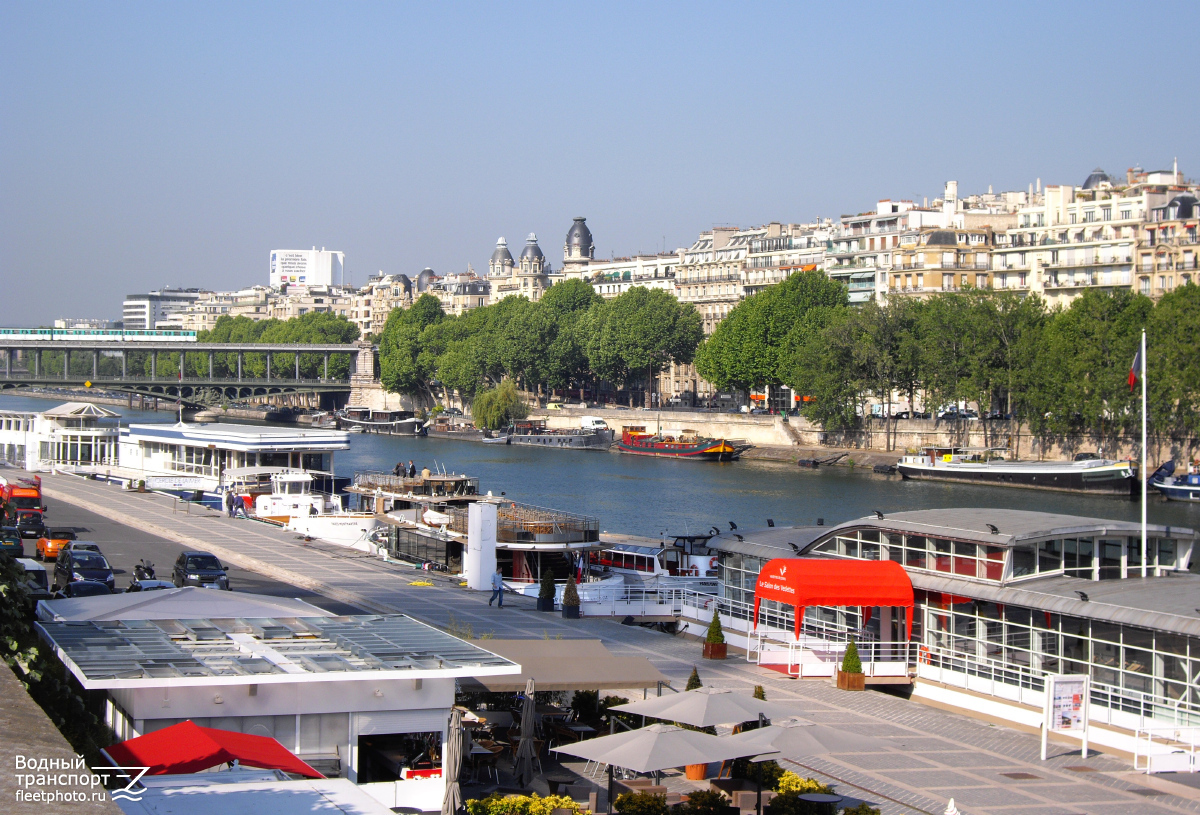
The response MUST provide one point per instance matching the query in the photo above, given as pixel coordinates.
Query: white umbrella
(526, 752)
(705, 707)
(797, 737)
(452, 756)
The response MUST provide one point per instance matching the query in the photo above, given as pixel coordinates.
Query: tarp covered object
(188, 748)
(802, 582)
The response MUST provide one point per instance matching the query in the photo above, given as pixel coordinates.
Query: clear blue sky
(157, 144)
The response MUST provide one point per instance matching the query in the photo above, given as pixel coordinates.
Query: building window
(1145, 285)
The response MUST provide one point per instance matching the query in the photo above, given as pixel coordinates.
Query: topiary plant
(546, 587)
(694, 680)
(570, 594)
(715, 635)
(759, 693)
(851, 664)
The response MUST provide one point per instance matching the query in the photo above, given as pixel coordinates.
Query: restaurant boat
(686, 444)
(1087, 473)
(295, 505)
(686, 556)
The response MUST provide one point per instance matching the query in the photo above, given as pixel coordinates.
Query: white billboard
(306, 267)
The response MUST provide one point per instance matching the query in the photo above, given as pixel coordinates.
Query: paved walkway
(931, 756)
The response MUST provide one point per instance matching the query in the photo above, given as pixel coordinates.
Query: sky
(176, 144)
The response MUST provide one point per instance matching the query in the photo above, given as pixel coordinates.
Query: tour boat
(1087, 473)
(686, 444)
(1184, 487)
(293, 504)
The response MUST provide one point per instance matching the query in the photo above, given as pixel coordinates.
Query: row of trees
(1062, 370)
(569, 338)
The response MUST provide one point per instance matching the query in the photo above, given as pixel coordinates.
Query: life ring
(923, 654)
(712, 562)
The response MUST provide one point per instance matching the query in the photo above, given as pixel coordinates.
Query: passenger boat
(687, 444)
(1184, 487)
(534, 433)
(1087, 473)
(396, 422)
(293, 504)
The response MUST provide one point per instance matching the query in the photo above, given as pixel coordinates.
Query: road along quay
(932, 755)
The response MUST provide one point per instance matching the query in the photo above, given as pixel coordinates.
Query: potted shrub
(850, 677)
(141, 486)
(714, 640)
(570, 601)
(545, 600)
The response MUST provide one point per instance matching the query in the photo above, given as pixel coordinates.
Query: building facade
(1169, 249)
(143, 312)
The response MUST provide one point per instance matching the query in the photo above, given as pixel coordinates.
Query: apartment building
(612, 278)
(528, 276)
(319, 299)
(1169, 248)
(371, 305)
(462, 292)
(941, 260)
(784, 250)
(142, 312)
(860, 255)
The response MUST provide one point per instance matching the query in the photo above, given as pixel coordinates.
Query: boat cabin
(686, 556)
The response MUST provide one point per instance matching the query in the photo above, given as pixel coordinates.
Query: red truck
(21, 494)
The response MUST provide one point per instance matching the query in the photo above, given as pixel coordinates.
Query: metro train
(94, 335)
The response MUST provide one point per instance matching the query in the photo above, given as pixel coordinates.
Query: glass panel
(940, 554)
(993, 565)
(1166, 553)
(869, 550)
(914, 552)
(1110, 632)
(1023, 562)
(895, 548)
(847, 547)
(1050, 556)
(1110, 559)
(1171, 644)
(1133, 555)
(869, 535)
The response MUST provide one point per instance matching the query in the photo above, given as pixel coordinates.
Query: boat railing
(434, 486)
(526, 523)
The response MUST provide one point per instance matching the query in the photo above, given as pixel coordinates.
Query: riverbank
(849, 457)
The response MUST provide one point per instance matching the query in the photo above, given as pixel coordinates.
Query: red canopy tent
(802, 582)
(189, 748)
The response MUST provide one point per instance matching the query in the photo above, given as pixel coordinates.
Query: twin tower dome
(578, 248)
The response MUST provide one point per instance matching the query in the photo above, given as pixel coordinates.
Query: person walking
(412, 469)
(497, 588)
(229, 503)
(398, 470)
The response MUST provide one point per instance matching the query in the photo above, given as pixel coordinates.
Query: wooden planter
(696, 772)
(545, 604)
(570, 612)
(715, 650)
(847, 681)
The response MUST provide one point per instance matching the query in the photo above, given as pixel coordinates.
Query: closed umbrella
(526, 752)
(706, 707)
(657, 747)
(452, 757)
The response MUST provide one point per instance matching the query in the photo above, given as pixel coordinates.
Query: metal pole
(610, 790)
(268, 366)
(239, 366)
(153, 364)
(124, 365)
(66, 363)
(297, 367)
(95, 363)
(210, 364)
(326, 364)
(37, 363)
(1142, 473)
(8, 355)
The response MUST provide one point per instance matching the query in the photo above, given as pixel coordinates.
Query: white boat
(294, 504)
(1184, 487)
(1087, 473)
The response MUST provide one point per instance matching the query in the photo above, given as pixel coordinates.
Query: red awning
(189, 748)
(802, 582)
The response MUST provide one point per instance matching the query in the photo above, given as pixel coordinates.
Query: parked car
(29, 524)
(49, 545)
(72, 566)
(37, 582)
(82, 588)
(150, 585)
(11, 542)
(199, 569)
(83, 546)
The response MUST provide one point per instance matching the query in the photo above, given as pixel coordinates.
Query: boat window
(1110, 559)
(1050, 556)
(914, 553)
(941, 554)
(1077, 557)
(1166, 553)
(895, 548)
(1133, 556)
(847, 546)
(1024, 561)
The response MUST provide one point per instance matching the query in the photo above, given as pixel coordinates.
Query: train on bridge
(91, 335)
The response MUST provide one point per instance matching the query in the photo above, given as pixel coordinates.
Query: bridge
(193, 390)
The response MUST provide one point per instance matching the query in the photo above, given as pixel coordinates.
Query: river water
(647, 496)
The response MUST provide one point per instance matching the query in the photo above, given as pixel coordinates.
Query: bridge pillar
(8, 355)
(95, 363)
(37, 363)
(182, 360)
(124, 367)
(210, 364)
(153, 366)
(239, 366)
(297, 367)
(66, 363)
(326, 365)
(268, 366)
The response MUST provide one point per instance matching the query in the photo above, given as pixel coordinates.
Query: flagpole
(1143, 475)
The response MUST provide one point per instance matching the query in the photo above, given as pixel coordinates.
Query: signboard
(1066, 707)
(173, 482)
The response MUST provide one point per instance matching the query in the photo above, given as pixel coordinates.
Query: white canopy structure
(705, 707)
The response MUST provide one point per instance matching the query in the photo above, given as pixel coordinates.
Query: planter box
(546, 604)
(847, 681)
(715, 650)
(696, 772)
(570, 612)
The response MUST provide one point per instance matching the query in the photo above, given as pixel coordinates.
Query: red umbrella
(189, 748)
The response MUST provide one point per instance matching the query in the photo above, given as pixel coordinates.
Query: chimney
(1039, 186)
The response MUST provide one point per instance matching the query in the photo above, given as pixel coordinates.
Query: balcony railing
(717, 278)
(1095, 261)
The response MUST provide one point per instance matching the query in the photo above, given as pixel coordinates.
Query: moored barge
(687, 445)
(1087, 474)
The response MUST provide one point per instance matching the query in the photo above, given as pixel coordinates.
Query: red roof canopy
(189, 748)
(802, 582)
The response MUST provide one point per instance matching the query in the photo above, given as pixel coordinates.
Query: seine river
(647, 496)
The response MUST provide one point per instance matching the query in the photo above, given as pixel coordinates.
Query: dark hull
(574, 441)
(1055, 481)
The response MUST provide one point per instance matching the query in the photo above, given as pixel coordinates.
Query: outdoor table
(830, 801)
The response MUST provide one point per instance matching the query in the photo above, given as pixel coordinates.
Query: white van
(593, 423)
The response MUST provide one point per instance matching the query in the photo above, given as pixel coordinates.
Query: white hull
(351, 529)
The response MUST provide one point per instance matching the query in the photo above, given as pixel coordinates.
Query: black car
(30, 523)
(11, 542)
(199, 569)
(75, 565)
(83, 588)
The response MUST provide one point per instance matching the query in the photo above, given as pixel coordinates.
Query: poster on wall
(1066, 708)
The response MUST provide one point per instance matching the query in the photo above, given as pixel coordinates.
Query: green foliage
(790, 782)
(570, 594)
(759, 693)
(640, 803)
(702, 802)
(863, 808)
(693, 680)
(715, 634)
(497, 407)
(586, 703)
(533, 804)
(314, 327)
(746, 769)
(546, 586)
(851, 664)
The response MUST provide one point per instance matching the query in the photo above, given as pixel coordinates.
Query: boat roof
(241, 437)
(79, 410)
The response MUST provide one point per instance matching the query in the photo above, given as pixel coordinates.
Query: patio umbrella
(704, 707)
(796, 738)
(656, 747)
(526, 752)
(452, 757)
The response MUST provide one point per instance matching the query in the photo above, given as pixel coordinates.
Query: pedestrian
(497, 588)
(398, 470)
(229, 503)
(412, 469)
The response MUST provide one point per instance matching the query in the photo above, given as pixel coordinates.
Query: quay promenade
(932, 755)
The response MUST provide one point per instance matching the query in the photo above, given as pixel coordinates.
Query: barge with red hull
(686, 445)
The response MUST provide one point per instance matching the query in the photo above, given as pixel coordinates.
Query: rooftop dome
(426, 277)
(532, 250)
(579, 235)
(942, 237)
(1097, 178)
(1182, 206)
(501, 254)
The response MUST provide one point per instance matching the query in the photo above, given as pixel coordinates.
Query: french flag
(1135, 370)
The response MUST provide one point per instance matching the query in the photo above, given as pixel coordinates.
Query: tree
(498, 407)
(750, 347)
(714, 635)
(693, 680)
(405, 362)
(851, 664)
(1172, 364)
(759, 693)
(822, 364)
